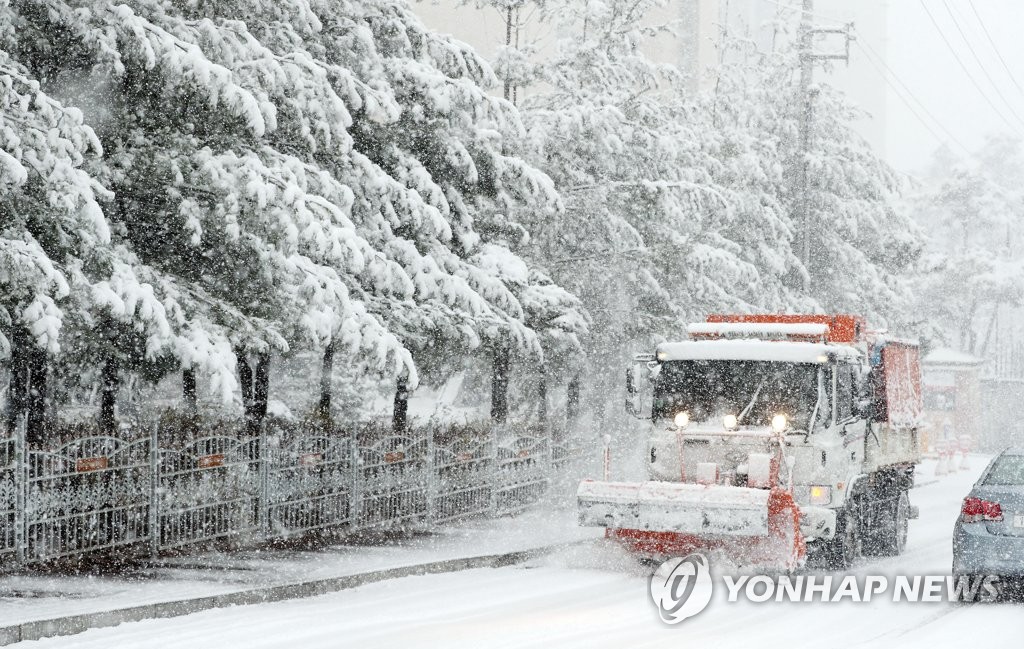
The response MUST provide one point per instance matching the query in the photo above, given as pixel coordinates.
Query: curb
(74, 624)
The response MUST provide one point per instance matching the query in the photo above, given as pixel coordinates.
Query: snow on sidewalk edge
(74, 624)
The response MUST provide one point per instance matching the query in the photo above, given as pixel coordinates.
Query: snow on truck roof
(780, 351)
(759, 329)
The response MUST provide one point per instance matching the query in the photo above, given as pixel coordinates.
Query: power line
(966, 71)
(900, 93)
(992, 42)
(902, 90)
(981, 65)
(871, 55)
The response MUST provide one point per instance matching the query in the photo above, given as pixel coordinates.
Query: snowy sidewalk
(188, 583)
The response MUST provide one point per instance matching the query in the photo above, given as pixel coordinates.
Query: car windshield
(757, 390)
(1007, 470)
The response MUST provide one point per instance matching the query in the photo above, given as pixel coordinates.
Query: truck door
(640, 386)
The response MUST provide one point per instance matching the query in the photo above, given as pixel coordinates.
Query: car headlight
(682, 419)
(730, 422)
(780, 423)
(820, 494)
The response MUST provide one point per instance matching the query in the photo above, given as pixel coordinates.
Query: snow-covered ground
(31, 597)
(594, 596)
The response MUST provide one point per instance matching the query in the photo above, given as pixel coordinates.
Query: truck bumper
(817, 523)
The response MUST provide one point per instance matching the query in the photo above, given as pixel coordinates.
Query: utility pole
(807, 59)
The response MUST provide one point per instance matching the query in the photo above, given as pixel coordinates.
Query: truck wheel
(891, 540)
(842, 550)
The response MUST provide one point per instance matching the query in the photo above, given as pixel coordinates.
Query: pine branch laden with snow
(51, 219)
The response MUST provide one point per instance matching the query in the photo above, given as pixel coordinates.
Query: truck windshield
(709, 390)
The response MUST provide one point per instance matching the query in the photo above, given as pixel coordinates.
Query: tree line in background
(970, 285)
(193, 187)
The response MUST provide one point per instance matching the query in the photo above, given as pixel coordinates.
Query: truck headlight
(730, 422)
(682, 419)
(780, 423)
(821, 494)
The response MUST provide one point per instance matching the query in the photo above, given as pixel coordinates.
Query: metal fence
(206, 490)
(104, 496)
(9, 498)
(88, 495)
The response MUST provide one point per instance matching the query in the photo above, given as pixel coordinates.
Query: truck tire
(842, 550)
(891, 539)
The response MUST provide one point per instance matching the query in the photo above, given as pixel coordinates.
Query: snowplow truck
(775, 439)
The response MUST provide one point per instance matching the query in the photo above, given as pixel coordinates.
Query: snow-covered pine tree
(266, 171)
(971, 272)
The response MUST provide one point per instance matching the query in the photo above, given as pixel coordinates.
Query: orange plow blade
(751, 526)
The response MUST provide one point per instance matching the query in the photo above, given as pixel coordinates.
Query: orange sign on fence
(310, 459)
(210, 461)
(394, 456)
(87, 464)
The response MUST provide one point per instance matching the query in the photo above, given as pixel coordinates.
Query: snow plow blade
(674, 507)
(757, 526)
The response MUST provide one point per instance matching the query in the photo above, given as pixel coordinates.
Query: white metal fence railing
(87, 496)
(522, 473)
(207, 489)
(124, 497)
(309, 483)
(465, 480)
(9, 510)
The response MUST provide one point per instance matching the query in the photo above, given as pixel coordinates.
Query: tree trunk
(108, 397)
(188, 392)
(988, 331)
(542, 395)
(326, 370)
(399, 420)
(17, 393)
(261, 387)
(38, 374)
(499, 383)
(245, 382)
(572, 400)
(255, 389)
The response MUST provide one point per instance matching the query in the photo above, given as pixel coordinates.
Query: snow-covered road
(593, 596)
